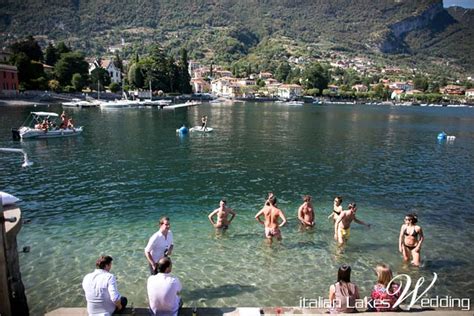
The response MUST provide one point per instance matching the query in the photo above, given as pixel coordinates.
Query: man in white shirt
(160, 244)
(100, 287)
(163, 290)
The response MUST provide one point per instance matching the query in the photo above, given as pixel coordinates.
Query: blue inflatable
(442, 136)
(183, 130)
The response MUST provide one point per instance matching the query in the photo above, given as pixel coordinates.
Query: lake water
(104, 191)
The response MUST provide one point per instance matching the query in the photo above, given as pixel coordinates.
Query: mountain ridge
(225, 30)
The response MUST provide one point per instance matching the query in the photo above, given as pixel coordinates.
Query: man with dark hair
(342, 226)
(160, 244)
(222, 214)
(272, 214)
(100, 288)
(163, 290)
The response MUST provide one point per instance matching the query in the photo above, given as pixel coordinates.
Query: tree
(78, 81)
(282, 72)
(54, 85)
(184, 77)
(29, 47)
(69, 64)
(28, 71)
(420, 83)
(118, 61)
(114, 87)
(315, 76)
(135, 76)
(62, 48)
(99, 76)
(51, 55)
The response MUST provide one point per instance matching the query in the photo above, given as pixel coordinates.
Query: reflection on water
(103, 192)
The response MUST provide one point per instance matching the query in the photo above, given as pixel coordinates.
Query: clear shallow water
(103, 192)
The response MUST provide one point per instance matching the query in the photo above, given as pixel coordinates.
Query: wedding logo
(416, 294)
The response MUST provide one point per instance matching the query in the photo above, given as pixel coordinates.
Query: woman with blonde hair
(383, 296)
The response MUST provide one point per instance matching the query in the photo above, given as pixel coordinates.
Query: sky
(459, 3)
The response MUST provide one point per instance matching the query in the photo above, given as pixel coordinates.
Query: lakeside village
(27, 72)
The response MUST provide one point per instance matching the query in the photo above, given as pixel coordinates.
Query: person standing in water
(271, 214)
(306, 212)
(410, 240)
(222, 214)
(337, 208)
(342, 227)
(203, 122)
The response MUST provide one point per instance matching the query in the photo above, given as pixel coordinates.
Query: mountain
(415, 31)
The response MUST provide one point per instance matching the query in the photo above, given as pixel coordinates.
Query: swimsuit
(414, 234)
(346, 233)
(272, 232)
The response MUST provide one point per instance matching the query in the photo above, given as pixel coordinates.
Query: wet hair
(384, 274)
(163, 264)
(307, 198)
(413, 217)
(224, 200)
(272, 200)
(163, 219)
(352, 205)
(339, 199)
(103, 261)
(344, 273)
(269, 195)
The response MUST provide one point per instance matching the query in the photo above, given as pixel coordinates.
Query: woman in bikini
(411, 238)
(337, 208)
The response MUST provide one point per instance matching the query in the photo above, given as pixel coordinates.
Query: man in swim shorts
(222, 213)
(342, 226)
(272, 214)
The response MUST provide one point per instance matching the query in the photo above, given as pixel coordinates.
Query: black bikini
(414, 234)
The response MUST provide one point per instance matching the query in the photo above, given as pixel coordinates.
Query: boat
(117, 104)
(31, 127)
(78, 103)
(199, 129)
(294, 103)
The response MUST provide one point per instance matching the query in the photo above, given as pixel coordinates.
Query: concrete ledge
(12, 211)
(252, 311)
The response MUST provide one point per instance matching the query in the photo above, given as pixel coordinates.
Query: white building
(108, 64)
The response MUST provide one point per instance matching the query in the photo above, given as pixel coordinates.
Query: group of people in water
(163, 288)
(410, 240)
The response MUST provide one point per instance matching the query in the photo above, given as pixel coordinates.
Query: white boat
(294, 103)
(78, 103)
(31, 128)
(159, 103)
(116, 104)
(199, 129)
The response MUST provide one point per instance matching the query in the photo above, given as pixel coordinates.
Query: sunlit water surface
(104, 191)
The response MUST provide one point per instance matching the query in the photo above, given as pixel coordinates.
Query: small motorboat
(43, 125)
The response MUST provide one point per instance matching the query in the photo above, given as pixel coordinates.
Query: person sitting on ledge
(100, 287)
(163, 290)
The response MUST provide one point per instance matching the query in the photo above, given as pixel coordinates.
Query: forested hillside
(226, 31)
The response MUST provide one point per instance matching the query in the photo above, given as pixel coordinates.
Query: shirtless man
(222, 214)
(272, 214)
(342, 226)
(306, 212)
(337, 208)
